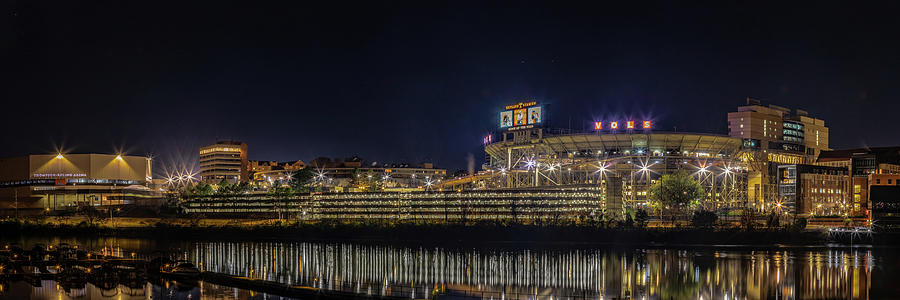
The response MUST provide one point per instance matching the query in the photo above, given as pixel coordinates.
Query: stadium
(619, 162)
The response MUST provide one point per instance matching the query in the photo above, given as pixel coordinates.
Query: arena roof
(655, 141)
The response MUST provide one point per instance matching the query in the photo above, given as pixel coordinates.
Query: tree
(200, 189)
(374, 183)
(704, 219)
(91, 213)
(301, 179)
(223, 188)
(640, 218)
(674, 192)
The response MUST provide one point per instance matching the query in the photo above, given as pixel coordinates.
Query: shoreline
(450, 234)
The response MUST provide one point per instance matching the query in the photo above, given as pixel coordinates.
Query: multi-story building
(810, 190)
(264, 166)
(862, 164)
(352, 174)
(776, 129)
(884, 198)
(265, 173)
(51, 182)
(773, 136)
(225, 160)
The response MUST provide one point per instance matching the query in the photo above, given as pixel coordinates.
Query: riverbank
(423, 233)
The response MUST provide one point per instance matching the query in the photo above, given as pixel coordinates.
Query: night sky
(424, 81)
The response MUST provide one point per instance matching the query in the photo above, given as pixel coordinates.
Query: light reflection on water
(50, 290)
(592, 273)
(510, 273)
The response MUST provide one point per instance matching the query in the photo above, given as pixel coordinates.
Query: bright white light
(59, 156)
(119, 157)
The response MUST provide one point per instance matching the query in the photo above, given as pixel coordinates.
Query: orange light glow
(646, 124)
(614, 125)
(629, 124)
(598, 125)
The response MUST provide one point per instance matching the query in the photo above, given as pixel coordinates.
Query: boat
(183, 270)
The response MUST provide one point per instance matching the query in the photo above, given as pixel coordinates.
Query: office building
(862, 164)
(810, 191)
(225, 160)
(773, 135)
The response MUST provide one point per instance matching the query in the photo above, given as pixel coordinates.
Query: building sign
(521, 115)
(629, 125)
(487, 139)
(56, 175)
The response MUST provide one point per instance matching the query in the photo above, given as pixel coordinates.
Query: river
(501, 271)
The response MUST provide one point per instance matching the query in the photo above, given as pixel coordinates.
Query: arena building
(53, 182)
(622, 165)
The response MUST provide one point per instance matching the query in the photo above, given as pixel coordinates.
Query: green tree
(673, 193)
(640, 218)
(223, 188)
(301, 179)
(242, 187)
(374, 182)
(356, 179)
(202, 189)
(704, 219)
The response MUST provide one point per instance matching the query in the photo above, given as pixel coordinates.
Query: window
(856, 198)
(878, 181)
(856, 188)
(889, 181)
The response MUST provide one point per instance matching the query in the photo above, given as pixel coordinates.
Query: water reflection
(49, 289)
(592, 273)
(428, 272)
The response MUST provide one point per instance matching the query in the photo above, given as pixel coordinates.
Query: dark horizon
(423, 82)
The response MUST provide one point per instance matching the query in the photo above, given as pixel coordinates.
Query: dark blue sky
(423, 81)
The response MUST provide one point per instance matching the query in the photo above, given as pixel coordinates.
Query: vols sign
(629, 125)
(521, 115)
